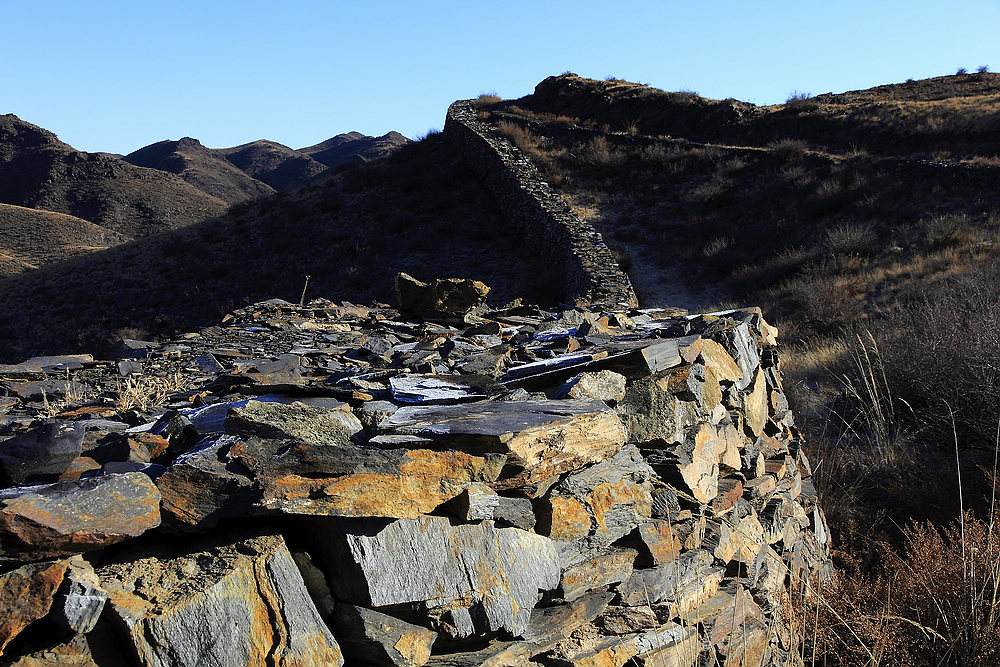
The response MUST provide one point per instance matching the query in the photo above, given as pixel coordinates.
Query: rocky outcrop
(478, 486)
(535, 209)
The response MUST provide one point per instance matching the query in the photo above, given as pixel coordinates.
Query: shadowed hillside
(353, 146)
(31, 237)
(417, 211)
(202, 168)
(39, 171)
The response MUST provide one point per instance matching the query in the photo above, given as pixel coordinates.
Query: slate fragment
(41, 454)
(227, 605)
(76, 516)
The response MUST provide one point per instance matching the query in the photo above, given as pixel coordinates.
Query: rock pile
(336, 484)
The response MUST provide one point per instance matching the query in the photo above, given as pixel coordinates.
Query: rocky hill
(808, 207)
(202, 168)
(277, 165)
(416, 211)
(449, 485)
(31, 237)
(39, 171)
(353, 146)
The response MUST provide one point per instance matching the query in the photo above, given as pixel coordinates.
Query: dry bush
(487, 99)
(935, 603)
(600, 153)
(788, 148)
(851, 239)
(519, 136)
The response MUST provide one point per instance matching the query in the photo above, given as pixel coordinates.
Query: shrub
(936, 603)
(983, 69)
(599, 152)
(961, 71)
(851, 239)
(487, 99)
(788, 148)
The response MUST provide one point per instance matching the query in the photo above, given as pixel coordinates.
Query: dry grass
(145, 393)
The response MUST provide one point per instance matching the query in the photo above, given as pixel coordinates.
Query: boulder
(200, 488)
(71, 517)
(233, 604)
(443, 300)
(41, 454)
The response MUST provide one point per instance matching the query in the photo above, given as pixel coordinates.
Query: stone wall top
(592, 275)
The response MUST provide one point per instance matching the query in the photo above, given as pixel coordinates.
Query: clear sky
(116, 75)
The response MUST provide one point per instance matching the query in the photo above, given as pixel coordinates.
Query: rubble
(473, 486)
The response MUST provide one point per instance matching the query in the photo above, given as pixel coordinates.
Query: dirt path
(657, 284)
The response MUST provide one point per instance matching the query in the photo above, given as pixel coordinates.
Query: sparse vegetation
(145, 393)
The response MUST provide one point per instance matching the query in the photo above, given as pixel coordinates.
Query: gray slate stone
(227, 606)
(41, 454)
(495, 573)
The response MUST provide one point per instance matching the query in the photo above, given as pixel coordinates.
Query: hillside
(417, 211)
(948, 117)
(820, 236)
(202, 168)
(37, 170)
(353, 146)
(31, 237)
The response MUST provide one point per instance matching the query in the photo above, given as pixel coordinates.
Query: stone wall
(592, 274)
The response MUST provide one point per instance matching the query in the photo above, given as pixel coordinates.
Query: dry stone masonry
(442, 484)
(541, 216)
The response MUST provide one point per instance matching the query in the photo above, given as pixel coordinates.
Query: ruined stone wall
(592, 274)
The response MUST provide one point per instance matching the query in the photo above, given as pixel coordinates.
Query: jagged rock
(517, 512)
(734, 626)
(71, 517)
(81, 598)
(652, 410)
(478, 502)
(41, 454)
(495, 574)
(372, 638)
(670, 645)
(600, 385)
(26, 595)
(658, 543)
(692, 465)
(74, 653)
(239, 604)
(544, 438)
(685, 582)
(601, 503)
(626, 620)
(557, 622)
(603, 568)
(352, 481)
(199, 489)
(295, 421)
(755, 405)
(735, 539)
(445, 300)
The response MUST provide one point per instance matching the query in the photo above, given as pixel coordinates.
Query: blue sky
(114, 76)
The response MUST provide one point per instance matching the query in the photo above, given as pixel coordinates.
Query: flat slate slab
(545, 437)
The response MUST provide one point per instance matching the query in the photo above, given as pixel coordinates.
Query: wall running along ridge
(592, 275)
